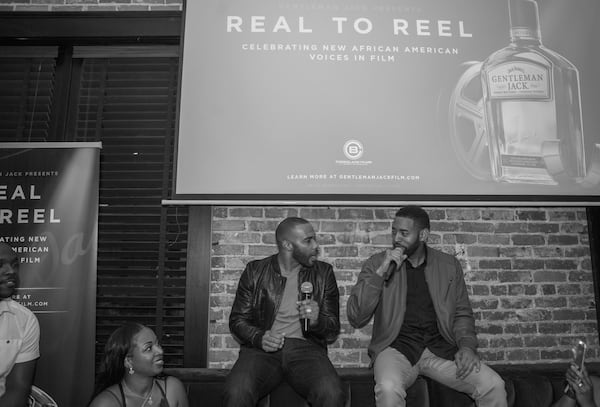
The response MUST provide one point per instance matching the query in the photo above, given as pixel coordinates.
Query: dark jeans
(304, 365)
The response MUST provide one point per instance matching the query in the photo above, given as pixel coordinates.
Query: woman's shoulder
(173, 381)
(107, 398)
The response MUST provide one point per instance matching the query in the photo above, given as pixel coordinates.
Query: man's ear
(287, 245)
(424, 235)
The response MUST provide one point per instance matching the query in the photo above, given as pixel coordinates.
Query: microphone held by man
(306, 305)
(394, 257)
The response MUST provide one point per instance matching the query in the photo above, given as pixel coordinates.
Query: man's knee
(238, 391)
(330, 389)
(493, 385)
(389, 388)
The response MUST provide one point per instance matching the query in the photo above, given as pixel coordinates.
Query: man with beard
(284, 336)
(19, 336)
(423, 322)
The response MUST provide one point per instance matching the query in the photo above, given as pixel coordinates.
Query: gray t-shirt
(287, 320)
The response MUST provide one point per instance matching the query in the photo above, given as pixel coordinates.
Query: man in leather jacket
(284, 334)
(423, 321)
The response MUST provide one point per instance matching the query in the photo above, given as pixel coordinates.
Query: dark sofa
(526, 386)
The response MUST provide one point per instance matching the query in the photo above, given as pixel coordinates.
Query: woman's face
(146, 355)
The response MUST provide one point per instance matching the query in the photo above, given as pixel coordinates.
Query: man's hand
(395, 255)
(309, 309)
(466, 361)
(272, 341)
(581, 384)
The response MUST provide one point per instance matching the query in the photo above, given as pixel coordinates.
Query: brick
(560, 215)
(318, 213)
(490, 329)
(348, 264)
(488, 303)
(498, 290)
(548, 289)
(498, 316)
(263, 226)
(528, 264)
(280, 213)
(563, 240)
(325, 238)
(476, 227)
(463, 214)
(542, 228)
(531, 215)
(540, 341)
(270, 239)
(552, 328)
(512, 303)
(480, 289)
(493, 239)
(550, 276)
(436, 214)
(567, 314)
(350, 238)
(498, 264)
(483, 251)
(506, 227)
(387, 213)
(246, 212)
(555, 354)
(341, 251)
(581, 251)
(522, 355)
(228, 250)
(459, 238)
(548, 251)
(515, 251)
(580, 276)
(520, 329)
(529, 315)
(489, 356)
(560, 264)
(356, 213)
(515, 276)
(522, 289)
(569, 228)
(228, 225)
(528, 240)
(261, 251)
(338, 226)
(507, 342)
(219, 212)
(498, 214)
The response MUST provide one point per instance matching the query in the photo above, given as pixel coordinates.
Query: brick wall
(528, 271)
(90, 5)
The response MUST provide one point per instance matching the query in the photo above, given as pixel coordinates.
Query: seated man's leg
(310, 372)
(393, 375)
(253, 376)
(486, 387)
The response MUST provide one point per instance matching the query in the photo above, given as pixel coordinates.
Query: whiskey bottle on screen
(532, 107)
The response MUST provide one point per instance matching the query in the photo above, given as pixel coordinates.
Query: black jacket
(259, 295)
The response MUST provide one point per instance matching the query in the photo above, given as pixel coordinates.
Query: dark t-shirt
(419, 329)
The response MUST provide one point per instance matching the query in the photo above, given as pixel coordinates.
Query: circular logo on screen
(353, 149)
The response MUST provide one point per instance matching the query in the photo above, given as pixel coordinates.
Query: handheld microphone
(392, 268)
(306, 289)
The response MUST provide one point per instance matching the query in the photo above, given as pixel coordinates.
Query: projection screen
(489, 101)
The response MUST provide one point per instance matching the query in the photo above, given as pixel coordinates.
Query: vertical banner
(49, 215)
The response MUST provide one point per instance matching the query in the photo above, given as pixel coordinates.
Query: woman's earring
(131, 371)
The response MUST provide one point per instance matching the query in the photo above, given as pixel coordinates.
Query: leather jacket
(259, 295)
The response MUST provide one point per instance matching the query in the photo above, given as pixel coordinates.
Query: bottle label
(519, 80)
